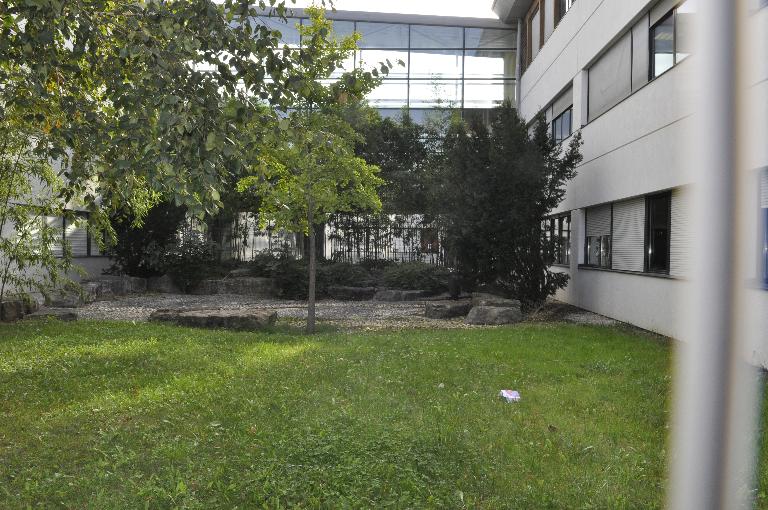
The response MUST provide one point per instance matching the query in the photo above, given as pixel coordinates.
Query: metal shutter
(680, 234)
(599, 221)
(55, 222)
(76, 235)
(629, 234)
(764, 189)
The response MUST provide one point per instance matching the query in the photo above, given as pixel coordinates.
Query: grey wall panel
(680, 235)
(640, 53)
(610, 77)
(563, 102)
(629, 234)
(599, 221)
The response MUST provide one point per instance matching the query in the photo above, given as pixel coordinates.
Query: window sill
(636, 273)
(563, 266)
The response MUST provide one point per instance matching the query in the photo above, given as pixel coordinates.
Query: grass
(115, 415)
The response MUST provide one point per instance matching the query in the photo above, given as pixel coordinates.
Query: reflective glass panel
(435, 93)
(489, 64)
(436, 64)
(343, 28)
(346, 66)
(487, 93)
(370, 59)
(390, 94)
(535, 28)
(436, 37)
(289, 32)
(427, 116)
(383, 35)
(663, 46)
(490, 38)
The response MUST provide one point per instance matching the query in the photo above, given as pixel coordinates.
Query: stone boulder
(484, 299)
(394, 295)
(11, 311)
(342, 293)
(62, 315)
(163, 285)
(64, 299)
(446, 309)
(493, 315)
(250, 286)
(242, 272)
(245, 319)
(118, 285)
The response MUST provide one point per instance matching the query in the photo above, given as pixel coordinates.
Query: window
(657, 235)
(562, 7)
(598, 240)
(561, 126)
(671, 38)
(535, 30)
(557, 231)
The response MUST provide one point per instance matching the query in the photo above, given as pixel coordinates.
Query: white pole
(715, 398)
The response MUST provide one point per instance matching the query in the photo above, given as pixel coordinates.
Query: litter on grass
(510, 395)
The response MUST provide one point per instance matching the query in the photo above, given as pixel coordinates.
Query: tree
(133, 103)
(309, 169)
(32, 256)
(500, 184)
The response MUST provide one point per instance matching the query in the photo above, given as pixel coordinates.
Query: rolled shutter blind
(599, 221)
(610, 78)
(55, 222)
(562, 103)
(680, 233)
(77, 237)
(629, 234)
(764, 189)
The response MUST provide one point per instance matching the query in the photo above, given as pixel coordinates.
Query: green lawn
(115, 415)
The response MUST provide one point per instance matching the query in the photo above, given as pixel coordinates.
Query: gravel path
(368, 315)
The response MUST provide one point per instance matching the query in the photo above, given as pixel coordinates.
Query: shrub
(291, 277)
(192, 260)
(343, 274)
(263, 264)
(416, 276)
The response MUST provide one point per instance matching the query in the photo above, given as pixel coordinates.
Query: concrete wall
(638, 147)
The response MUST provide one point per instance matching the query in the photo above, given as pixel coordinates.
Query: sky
(463, 8)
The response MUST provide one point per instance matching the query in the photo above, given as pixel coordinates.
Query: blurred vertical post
(715, 401)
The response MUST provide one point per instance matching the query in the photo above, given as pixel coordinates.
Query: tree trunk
(312, 269)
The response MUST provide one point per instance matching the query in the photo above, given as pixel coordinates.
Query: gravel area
(367, 315)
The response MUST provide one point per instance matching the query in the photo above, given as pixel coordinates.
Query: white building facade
(619, 71)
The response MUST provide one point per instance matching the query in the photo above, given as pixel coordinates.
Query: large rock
(162, 284)
(241, 272)
(493, 315)
(97, 291)
(65, 299)
(394, 295)
(11, 311)
(119, 285)
(351, 293)
(257, 287)
(245, 319)
(446, 309)
(485, 299)
(62, 315)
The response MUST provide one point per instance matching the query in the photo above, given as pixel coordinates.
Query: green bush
(343, 274)
(291, 277)
(263, 264)
(416, 276)
(191, 261)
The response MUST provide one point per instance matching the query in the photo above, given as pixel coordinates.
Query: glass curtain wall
(442, 66)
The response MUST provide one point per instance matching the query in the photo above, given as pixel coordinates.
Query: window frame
(535, 7)
(651, 60)
(554, 228)
(649, 227)
(559, 12)
(560, 118)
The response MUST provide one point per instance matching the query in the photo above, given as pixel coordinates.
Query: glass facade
(442, 66)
